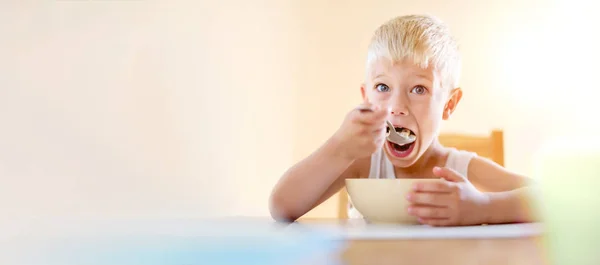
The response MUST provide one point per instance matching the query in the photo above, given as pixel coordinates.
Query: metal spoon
(392, 135)
(398, 138)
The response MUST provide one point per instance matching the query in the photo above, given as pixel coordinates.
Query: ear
(455, 96)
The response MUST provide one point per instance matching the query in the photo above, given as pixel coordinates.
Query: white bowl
(383, 200)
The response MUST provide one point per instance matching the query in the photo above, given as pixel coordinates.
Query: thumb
(448, 174)
(374, 106)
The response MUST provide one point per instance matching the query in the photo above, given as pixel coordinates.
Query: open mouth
(402, 150)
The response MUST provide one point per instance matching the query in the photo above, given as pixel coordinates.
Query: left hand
(453, 202)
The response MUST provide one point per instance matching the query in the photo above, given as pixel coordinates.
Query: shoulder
(480, 165)
(459, 154)
(459, 160)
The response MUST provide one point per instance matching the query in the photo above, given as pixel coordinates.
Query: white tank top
(382, 168)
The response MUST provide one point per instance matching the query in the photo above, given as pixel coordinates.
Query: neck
(435, 155)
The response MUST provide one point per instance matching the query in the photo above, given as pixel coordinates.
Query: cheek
(424, 108)
(377, 97)
(428, 114)
(434, 108)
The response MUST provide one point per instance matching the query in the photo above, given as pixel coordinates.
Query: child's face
(416, 100)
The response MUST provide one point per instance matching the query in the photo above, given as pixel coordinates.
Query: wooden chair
(491, 147)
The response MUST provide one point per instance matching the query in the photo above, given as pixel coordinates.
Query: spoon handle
(392, 135)
(391, 127)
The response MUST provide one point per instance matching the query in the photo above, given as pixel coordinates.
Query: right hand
(362, 132)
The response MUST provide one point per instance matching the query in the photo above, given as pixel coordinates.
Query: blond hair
(423, 39)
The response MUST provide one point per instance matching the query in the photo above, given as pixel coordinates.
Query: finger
(379, 134)
(435, 221)
(375, 116)
(379, 139)
(371, 131)
(434, 186)
(378, 128)
(429, 212)
(365, 107)
(372, 119)
(368, 107)
(448, 174)
(429, 198)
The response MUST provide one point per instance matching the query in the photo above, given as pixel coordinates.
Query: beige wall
(144, 108)
(171, 109)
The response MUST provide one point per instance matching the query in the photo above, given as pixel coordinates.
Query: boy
(413, 67)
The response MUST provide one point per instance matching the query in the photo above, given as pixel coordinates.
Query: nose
(398, 104)
(399, 108)
(399, 111)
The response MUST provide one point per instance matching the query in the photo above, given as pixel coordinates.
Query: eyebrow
(378, 76)
(424, 77)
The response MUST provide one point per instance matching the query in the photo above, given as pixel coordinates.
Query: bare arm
(488, 176)
(510, 197)
(322, 174)
(310, 182)
(512, 206)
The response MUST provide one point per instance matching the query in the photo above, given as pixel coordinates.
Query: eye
(419, 90)
(382, 88)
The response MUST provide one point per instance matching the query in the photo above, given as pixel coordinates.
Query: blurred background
(193, 109)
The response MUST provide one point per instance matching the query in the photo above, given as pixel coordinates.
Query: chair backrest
(491, 147)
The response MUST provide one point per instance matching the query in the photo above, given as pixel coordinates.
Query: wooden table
(493, 251)
(360, 248)
(525, 251)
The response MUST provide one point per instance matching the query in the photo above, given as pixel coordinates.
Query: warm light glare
(157, 108)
